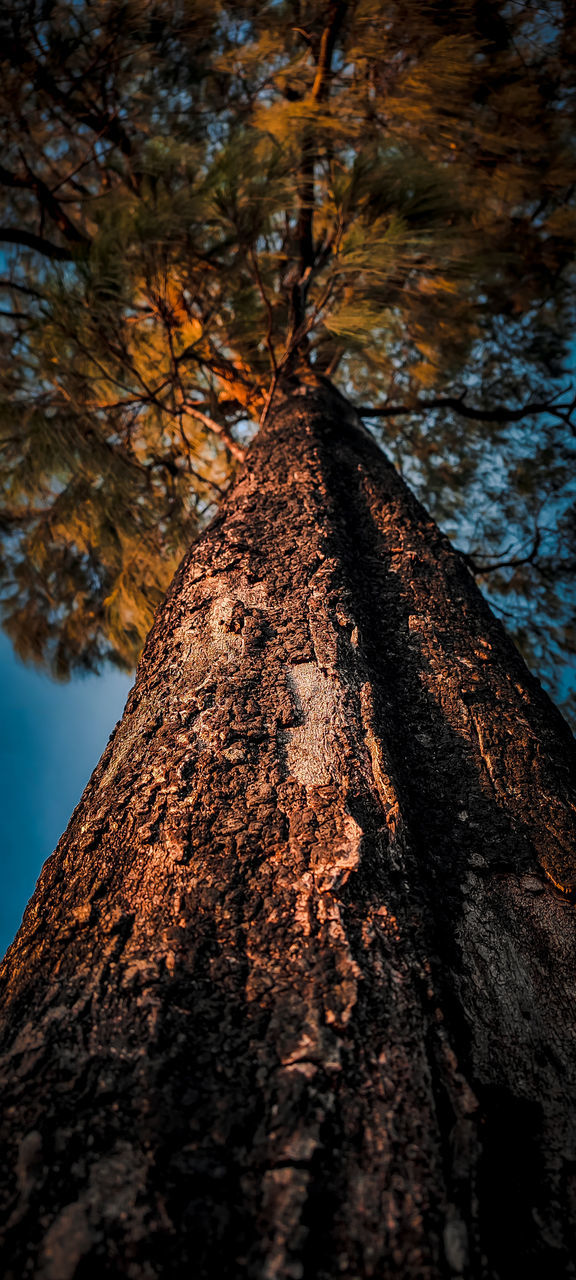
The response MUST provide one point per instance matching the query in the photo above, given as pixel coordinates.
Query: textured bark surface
(294, 999)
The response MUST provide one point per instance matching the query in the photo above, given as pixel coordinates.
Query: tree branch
(28, 240)
(46, 199)
(235, 449)
(491, 413)
(268, 309)
(15, 285)
(513, 562)
(102, 122)
(327, 44)
(217, 364)
(305, 181)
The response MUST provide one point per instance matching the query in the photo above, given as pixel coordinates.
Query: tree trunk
(294, 997)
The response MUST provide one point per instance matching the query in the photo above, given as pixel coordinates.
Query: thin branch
(268, 308)
(513, 562)
(168, 464)
(15, 315)
(269, 397)
(101, 122)
(47, 201)
(306, 177)
(50, 205)
(235, 449)
(297, 336)
(491, 413)
(21, 288)
(82, 164)
(28, 240)
(327, 43)
(217, 364)
(268, 340)
(336, 360)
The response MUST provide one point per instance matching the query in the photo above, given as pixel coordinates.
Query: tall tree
(294, 997)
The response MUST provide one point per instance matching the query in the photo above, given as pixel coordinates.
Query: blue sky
(52, 736)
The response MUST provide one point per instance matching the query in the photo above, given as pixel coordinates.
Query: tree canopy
(202, 201)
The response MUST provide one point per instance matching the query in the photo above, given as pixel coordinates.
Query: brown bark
(295, 995)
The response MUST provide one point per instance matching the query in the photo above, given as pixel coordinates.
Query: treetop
(199, 199)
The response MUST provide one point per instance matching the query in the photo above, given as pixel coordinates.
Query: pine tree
(294, 996)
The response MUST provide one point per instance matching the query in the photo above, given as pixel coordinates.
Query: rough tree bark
(295, 994)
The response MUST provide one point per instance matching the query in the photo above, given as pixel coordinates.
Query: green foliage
(199, 198)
